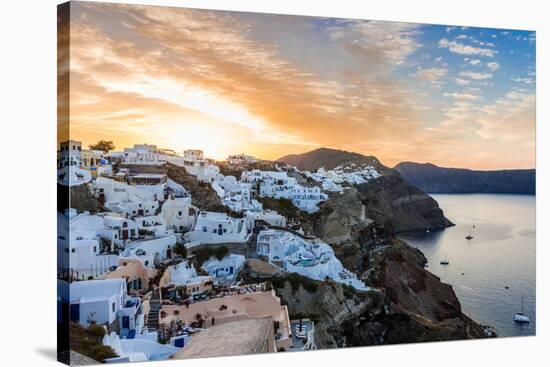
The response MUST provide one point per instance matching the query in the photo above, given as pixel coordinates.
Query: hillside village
(161, 272)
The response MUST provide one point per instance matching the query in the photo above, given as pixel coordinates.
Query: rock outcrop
(389, 200)
(433, 179)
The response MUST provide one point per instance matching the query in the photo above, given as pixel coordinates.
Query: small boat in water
(444, 261)
(520, 317)
(469, 236)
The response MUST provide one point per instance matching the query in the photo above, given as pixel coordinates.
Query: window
(180, 213)
(73, 250)
(95, 248)
(113, 306)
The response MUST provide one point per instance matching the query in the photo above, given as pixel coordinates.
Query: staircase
(153, 317)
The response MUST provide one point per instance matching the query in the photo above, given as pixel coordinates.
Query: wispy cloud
(463, 49)
(475, 76)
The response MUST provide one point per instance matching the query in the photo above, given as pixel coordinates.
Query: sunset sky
(270, 85)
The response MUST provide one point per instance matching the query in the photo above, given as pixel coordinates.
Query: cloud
(493, 65)
(475, 76)
(475, 62)
(524, 80)
(460, 81)
(462, 96)
(431, 74)
(377, 41)
(177, 73)
(462, 49)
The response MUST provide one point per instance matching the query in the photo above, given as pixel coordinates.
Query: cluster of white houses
(332, 180)
(117, 251)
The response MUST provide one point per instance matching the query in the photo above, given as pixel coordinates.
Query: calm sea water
(502, 254)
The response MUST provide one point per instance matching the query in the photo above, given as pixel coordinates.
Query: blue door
(125, 322)
(75, 312)
(178, 343)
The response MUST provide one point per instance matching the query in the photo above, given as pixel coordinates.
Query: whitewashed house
(211, 228)
(195, 164)
(311, 258)
(178, 213)
(234, 194)
(226, 268)
(123, 198)
(185, 275)
(151, 252)
(85, 242)
(152, 182)
(143, 154)
(156, 224)
(106, 302)
(264, 217)
(239, 159)
(70, 153)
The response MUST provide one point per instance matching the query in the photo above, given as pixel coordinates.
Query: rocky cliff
(433, 179)
(388, 199)
(406, 304)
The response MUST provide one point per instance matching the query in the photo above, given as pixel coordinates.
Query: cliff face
(433, 179)
(389, 200)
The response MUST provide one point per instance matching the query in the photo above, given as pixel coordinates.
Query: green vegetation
(305, 315)
(180, 250)
(88, 341)
(295, 281)
(205, 253)
(283, 206)
(103, 145)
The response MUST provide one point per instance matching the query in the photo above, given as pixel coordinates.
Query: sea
(492, 272)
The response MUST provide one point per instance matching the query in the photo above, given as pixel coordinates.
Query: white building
(226, 268)
(123, 198)
(211, 228)
(178, 213)
(106, 302)
(144, 154)
(311, 258)
(238, 159)
(151, 252)
(143, 347)
(85, 242)
(185, 275)
(156, 224)
(195, 164)
(70, 153)
(264, 217)
(152, 182)
(234, 194)
(279, 185)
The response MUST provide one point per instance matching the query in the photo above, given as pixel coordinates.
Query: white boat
(520, 317)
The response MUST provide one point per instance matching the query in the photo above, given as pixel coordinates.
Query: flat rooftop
(229, 339)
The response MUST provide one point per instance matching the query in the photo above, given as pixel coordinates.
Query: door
(178, 343)
(125, 322)
(124, 234)
(75, 312)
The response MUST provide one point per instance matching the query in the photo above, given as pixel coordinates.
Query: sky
(270, 85)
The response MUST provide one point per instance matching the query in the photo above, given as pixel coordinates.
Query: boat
(520, 317)
(444, 261)
(469, 236)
